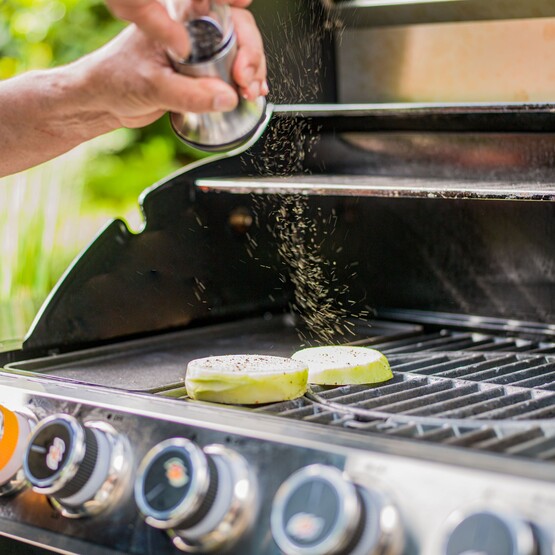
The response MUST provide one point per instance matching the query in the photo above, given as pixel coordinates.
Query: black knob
(320, 511)
(204, 498)
(60, 457)
(491, 533)
(84, 469)
(176, 484)
(316, 510)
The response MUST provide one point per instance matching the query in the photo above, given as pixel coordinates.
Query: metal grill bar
(513, 345)
(547, 348)
(534, 447)
(509, 441)
(409, 364)
(419, 397)
(446, 341)
(548, 455)
(497, 399)
(541, 413)
(543, 381)
(472, 438)
(442, 341)
(545, 371)
(524, 409)
(549, 386)
(441, 365)
(469, 395)
(400, 400)
(464, 371)
(437, 435)
(492, 375)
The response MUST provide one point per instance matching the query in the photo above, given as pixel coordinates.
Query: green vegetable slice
(245, 379)
(343, 365)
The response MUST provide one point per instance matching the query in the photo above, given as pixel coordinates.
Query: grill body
(446, 276)
(434, 227)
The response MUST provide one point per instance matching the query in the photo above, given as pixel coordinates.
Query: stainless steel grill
(472, 400)
(434, 220)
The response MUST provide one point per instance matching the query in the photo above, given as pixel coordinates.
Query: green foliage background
(60, 208)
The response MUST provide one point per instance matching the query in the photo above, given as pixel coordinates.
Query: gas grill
(432, 229)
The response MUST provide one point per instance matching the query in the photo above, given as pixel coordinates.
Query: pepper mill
(213, 50)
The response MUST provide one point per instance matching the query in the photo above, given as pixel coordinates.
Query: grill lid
(191, 261)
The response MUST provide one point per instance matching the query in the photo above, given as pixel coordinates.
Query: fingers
(152, 85)
(154, 20)
(249, 70)
(178, 93)
(236, 3)
(239, 3)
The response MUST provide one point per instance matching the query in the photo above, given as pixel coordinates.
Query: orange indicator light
(10, 435)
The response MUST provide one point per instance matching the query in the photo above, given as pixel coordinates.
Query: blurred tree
(43, 33)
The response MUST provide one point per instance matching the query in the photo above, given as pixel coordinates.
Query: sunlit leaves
(41, 33)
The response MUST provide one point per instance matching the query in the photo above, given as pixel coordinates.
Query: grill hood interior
(429, 208)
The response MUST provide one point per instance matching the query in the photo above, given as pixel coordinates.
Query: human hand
(152, 17)
(132, 82)
(128, 82)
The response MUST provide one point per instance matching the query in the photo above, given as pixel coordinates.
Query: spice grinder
(213, 50)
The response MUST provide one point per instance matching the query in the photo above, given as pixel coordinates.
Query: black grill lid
(191, 263)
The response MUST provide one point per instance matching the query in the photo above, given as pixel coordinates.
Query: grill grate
(462, 389)
(448, 340)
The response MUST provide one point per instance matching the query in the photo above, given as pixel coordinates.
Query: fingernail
(180, 54)
(254, 90)
(224, 102)
(184, 54)
(265, 88)
(248, 74)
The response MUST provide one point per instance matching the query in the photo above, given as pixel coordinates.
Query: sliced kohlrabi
(344, 365)
(245, 379)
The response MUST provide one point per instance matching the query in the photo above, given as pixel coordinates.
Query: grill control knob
(204, 498)
(82, 468)
(15, 428)
(491, 533)
(317, 511)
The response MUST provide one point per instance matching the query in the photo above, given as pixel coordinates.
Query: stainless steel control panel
(85, 470)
